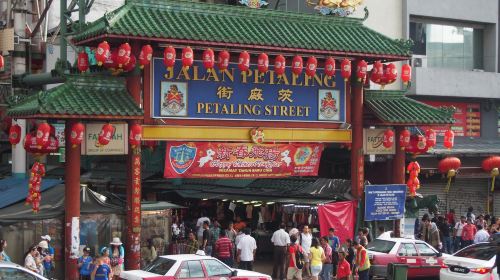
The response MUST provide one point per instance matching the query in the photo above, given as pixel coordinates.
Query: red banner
(241, 160)
(467, 119)
(338, 215)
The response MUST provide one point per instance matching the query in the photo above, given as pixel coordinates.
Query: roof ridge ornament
(340, 8)
(254, 4)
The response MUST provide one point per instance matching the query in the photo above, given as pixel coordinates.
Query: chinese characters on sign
(384, 202)
(136, 192)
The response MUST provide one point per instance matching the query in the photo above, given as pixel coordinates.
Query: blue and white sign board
(384, 202)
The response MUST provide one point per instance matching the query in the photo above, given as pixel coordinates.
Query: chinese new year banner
(241, 160)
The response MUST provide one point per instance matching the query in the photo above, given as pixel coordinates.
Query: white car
(475, 262)
(190, 266)
(10, 270)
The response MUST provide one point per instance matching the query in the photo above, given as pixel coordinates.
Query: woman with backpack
(295, 260)
(317, 257)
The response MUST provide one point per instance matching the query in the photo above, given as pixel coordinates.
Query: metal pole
(81, 13)
(62, 34)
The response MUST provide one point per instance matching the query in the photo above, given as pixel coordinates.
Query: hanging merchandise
(77, 134)
(102, 53)
(223, 60)
(297, 65)
(377, 72)
(169, 57)
(449, 166)
(105, 135)
(145, 55)
(388, 139)
(492, 165)
(263, 63)
(406, 74)
(279, 65)
(130, 65)
(404, 139)
(330, 67)
(449, 139)
(345, 69)
(83, 62)
(361, 71)
(123, 54)
(135, 135)
(244, 61)
(187, 58)
(42, 134)
(311, 66)
(430, 134)
(208, 59)
(15, 134)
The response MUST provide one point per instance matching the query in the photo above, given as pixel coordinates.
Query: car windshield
(483, 252)
(160, 266)
(381, 246)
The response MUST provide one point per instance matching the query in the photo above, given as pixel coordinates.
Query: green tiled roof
(201, 23)
(81, 96)
(394, 107)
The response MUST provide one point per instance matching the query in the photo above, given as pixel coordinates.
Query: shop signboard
(373, 143)
(59, 127)
(117, 146)
(467, 118)
(198, 93)
(241, 160)
(384, 202)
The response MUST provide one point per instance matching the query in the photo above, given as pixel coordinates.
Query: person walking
(192, 244)
(362, 262)
(344, 268)
(470, 215)
(223, 249)
(482, 235)
(117, 257)
(3, 254)
(281, 240)
(305, 242)
(327, 267)
(458, 232)
(350, 253)
(246, 250)
(444, 231)
(334, 242)
(200, 228)
(317, 257)
(48, 257)
(468, 234)
(231, 234)
(85, 264)
(430, 233)
(207, 244)
(294, 270)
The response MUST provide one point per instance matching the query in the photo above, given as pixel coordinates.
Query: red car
(422, 259)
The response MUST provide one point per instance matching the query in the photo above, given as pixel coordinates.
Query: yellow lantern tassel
(450, 175)
(494, 173)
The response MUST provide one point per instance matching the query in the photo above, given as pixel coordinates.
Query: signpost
(384, 202)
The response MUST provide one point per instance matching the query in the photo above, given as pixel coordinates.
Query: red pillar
(398, 171)
(72, 201)
(357, 156)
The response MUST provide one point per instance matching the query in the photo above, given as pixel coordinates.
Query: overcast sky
(98, 9)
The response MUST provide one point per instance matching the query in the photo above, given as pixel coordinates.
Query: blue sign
(384, 202)
(198, 93)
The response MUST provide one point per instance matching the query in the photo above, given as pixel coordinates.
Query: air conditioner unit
(419, 61)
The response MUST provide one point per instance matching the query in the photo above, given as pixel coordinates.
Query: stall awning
(81, 96)
(194, 23)
(13, 189)
(393, 107)
(470, 146)
(159, 205)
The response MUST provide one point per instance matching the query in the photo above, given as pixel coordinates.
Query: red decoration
(279, 65)
(492, 165)
(105, 135)
(1, 62)
(130, 65)
(136, 193)
(208, 59)
(297, 65)
(31, 146)
(34, 187)
(330, 66)
(145, 56)
(449, 139)
(377, 72)
(83, 62)
(223, 60)
(15, 134)
(450, 166)
(388, 140)
(169, 57)
(311, 66)
(123, 54)
(418, 145)
(406, 74)
(430, 134)
(77, 133)
(111, 60)
(102, 53)
(150, 144)
(404, 139)
(244, 61)
(413, 182)
(135, 135)
(361, 71)
(187, 57)
(390, 73)
(345, 69)
(263, 63)
(42, 134)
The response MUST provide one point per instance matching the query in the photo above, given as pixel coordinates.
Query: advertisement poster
(384, 202)
(117, 146)
(373, 143)
(467, 118)
(241, 160)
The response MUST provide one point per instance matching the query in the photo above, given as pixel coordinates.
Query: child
(102, 271)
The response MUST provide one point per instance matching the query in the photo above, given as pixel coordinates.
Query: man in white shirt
(305, 242)
(281, 240)
(246, 250)
(457, 232)
(481, 235)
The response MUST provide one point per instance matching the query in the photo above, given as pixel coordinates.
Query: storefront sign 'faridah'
(200, 93)
(241, 160)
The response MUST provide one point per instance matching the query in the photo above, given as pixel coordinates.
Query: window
(483, 252)
(160, 266)
(216, 268)
(407, 249)
(15, 274)
(425, 250)
(191, 269)
(448, 46)
(381, 246)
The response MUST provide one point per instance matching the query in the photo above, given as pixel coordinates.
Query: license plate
(459, 269)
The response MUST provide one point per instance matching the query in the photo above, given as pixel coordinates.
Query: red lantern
(279, 65)
(28, 139)
(208, 59)
(330, 66)
(297, 65)
(169, 57)
(83, 62)
(361, 71)
(76, 135)
(418, 145)
(492, 165)
(135, 135)
(50, 147)
(102, 53)
(345, 69)
(244, 61)
(404, 139)
(187, 57)
(377, 72)
(130, 65)
(430, 134)
(449, 139)
(263, 63)
(388, 140)
(145, 56)
(1, 62)
(111, 60)
(42, 134)
(311, 66)
(406, 74)
(105, 135)
(123, 55)
(450, 166)
(15, 134)
(390, 73)
(223, 60)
